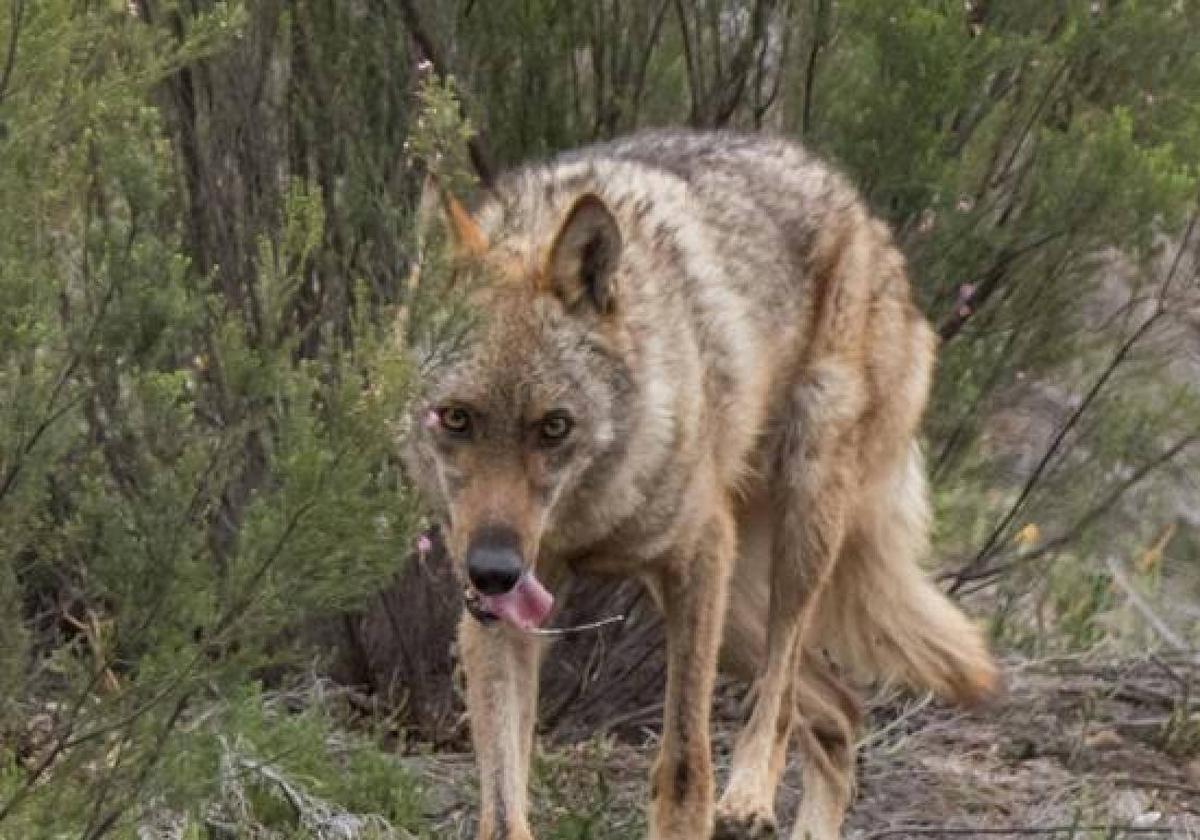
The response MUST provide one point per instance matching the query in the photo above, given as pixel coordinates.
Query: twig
(1161, 784)
(1122, 580)
(16, 12)
(634, 716)
(691, 62)
(1017, 830)
(1118, 359)
(577, 628)
(1083, 522)
(820, 17)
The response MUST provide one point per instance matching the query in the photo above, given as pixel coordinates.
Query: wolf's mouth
(526, 606)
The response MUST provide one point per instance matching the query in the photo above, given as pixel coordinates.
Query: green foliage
(579, 793)
(307, 749)
(441, 136)
(197, 421)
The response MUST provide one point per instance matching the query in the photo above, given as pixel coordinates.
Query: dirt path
(1098, 750)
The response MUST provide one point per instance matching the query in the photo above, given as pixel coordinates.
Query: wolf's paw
(752, 826)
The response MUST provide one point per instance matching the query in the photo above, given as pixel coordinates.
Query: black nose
(494, 560)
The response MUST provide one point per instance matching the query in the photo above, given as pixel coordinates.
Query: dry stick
(1036, 476)
(728, 99)
(16, 13)
(1161, 784)
(992, 281)
(762, 106)
(1021, 831)
(1117, 360)
(416, 28)
(639, 78)
(820, 19)
(1152, 618)
(695, 71)
(1085, 521)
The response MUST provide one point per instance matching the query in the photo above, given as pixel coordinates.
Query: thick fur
(734, 340)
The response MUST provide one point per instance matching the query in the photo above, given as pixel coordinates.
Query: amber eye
(555, 428)
(455, 420)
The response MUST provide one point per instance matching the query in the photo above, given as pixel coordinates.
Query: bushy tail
(881, 615)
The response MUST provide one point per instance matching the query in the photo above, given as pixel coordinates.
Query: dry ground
(1096, 750)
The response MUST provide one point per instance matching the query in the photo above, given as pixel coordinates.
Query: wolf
(698, 364)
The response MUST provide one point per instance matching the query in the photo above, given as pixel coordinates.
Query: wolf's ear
(469, 239)
(437, 209)
(583, 259)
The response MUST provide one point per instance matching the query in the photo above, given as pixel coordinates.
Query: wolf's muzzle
(494, 560)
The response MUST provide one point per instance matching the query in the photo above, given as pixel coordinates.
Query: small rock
(1105, 739)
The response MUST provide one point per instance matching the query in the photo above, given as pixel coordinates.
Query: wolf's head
(511, 428)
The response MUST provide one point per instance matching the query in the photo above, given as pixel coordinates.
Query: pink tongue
(525, 606)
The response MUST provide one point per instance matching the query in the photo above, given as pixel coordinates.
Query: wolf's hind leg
(810, 491)
(829, 716)
(692, 589)
(501, 667)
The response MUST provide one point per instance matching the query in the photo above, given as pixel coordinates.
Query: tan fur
(735, 337)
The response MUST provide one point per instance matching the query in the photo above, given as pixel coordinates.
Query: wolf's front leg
(692, 591)
(501, 666)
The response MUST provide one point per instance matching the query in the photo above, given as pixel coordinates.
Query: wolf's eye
(455, 420)
(555, 428)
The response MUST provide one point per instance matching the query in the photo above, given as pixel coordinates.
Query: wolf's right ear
(469, 239)
(438, 208)
(583, 260)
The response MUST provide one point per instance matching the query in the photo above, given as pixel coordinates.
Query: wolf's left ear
(583, 259)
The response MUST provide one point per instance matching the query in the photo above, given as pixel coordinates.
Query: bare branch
(695, 72)
(639, 76)
(1084, 522)
(16, 14)
(1117, 570)
(820, 19)
(1016, 831)
(1118, 359)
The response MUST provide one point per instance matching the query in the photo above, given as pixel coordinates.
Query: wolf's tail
(883, 618)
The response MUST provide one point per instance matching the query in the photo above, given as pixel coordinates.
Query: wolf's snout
(494, 560)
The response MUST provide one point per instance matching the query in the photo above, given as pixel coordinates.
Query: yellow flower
(1029, 536)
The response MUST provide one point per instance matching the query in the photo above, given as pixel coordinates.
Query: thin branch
(989, 284)
(1118, 359)
(820, 16)
(1084, 522)
(742, 62)
(1015, 831)
(763, 104)
(639, 78)
(16, 13)
(1140, 604)
(691, 61)
(1056, 443)
(1059, 75)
